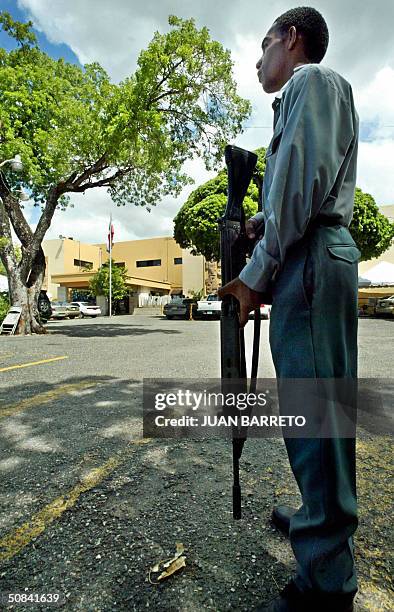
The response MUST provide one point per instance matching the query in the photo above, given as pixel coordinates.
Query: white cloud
(361, 48)
(375, 104)
(114, 32)
(375, 170)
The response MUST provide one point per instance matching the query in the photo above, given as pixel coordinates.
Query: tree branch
(98, 166)
(7, 252)
(14, 212)
(105, 182)
(168, 93)
(173, 68)
(43, 225)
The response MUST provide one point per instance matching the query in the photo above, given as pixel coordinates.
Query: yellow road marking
(33, 363)
(14, 542)
(44, 398)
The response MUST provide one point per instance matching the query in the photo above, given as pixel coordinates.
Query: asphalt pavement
(88, 506)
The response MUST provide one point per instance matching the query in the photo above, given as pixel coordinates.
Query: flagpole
(110, 267)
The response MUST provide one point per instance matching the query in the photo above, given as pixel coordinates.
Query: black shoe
(292, 600)
(281, 516)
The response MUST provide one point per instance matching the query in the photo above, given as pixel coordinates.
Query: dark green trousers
(313, 334)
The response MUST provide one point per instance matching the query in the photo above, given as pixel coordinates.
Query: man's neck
(295, 68)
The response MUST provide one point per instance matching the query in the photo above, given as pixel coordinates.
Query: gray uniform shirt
(311, 166)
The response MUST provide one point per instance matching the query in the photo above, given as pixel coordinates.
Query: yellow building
(156, 267)
(152, 259)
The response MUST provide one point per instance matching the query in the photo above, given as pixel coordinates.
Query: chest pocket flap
(346, 252)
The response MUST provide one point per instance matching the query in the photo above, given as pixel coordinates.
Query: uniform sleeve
(317, 133)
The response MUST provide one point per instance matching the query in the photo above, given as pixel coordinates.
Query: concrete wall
(54, 255)
(102, 302)
(193, 272)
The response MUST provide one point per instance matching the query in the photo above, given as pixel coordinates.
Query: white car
(86, 309)
(385, 306)
(211, 306)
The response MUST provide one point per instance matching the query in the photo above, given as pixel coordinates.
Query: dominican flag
(110, 241)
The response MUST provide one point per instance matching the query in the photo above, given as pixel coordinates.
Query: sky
(113, 33)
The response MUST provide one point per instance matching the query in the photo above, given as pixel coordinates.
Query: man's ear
(291, 38)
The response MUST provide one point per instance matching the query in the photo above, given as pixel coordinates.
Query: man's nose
(259, 63)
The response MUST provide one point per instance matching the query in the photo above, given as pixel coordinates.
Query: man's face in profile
(271, 67)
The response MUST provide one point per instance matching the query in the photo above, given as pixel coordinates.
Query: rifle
(234, 248)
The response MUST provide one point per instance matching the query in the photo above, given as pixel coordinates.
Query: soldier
(307, 259)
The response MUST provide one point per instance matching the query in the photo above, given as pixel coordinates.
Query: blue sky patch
(368, 130)
(55, 51)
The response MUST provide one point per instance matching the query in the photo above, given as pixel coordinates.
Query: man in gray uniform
(307, 259)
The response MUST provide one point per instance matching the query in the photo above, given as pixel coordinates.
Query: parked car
(86, 309)
(58, 310)
(180, 307)
(385, 306)
(72, 311)
(265, 312)
(210, 307)
(44, 306)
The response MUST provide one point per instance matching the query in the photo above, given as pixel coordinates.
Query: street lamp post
(16, 163)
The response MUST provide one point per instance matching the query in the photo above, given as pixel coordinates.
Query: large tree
(195, 225)
(372, 231)
(76, 130)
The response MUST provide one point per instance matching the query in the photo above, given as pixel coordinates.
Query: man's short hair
(310, 23)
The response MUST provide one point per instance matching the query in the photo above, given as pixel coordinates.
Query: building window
(119, 264)
(177, 260)
(80, 263)
(146, 263)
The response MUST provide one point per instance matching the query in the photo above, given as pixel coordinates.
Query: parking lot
(88, 505)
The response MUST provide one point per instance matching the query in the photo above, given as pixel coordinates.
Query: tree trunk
(25, 278)
(26, 296)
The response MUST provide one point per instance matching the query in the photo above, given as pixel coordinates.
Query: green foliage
(195, 225)
(198, 295)
(99, 284)
(20, 31)
(371, 230)
(4, 306)
(132, 137)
